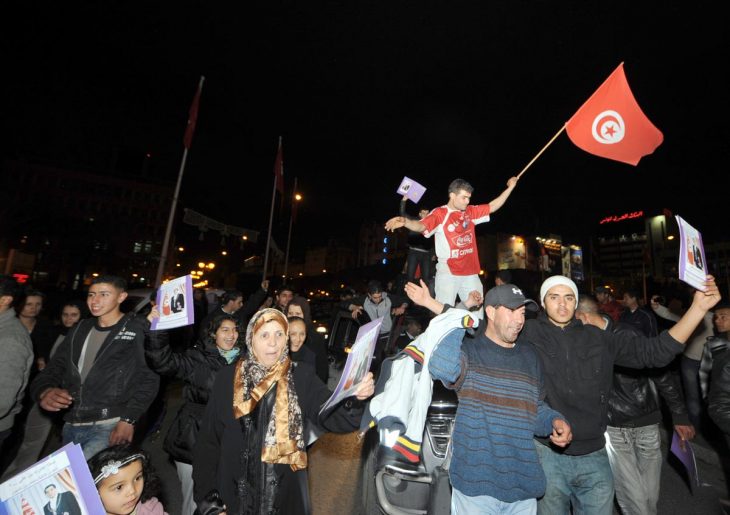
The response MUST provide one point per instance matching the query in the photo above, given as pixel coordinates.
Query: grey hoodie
(17, 359)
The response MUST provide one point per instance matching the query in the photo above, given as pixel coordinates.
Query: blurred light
(324, 270)
(201, 265)
(135, 275)
(385, 240)
(95, 274)
(181, 249)
(211, 266)
(300, 274)
(297, 197)
(224, 253)
(385, 261)
(244, 237)
(481, 272)
(141, 279)
(178, 264)
(321, 329)
(670, 237)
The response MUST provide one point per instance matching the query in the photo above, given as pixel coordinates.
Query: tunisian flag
(611, 124)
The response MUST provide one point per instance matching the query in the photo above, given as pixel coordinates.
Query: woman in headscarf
(299, 307)
(252, 441)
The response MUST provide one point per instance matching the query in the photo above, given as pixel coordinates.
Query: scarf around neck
(284, 440)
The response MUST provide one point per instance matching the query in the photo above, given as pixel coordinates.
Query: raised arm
(702, 302)
(499, 201)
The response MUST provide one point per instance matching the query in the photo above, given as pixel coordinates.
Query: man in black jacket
(634, 441)
(99, 374)
(578, 363)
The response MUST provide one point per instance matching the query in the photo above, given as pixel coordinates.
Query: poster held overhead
(692, 262)
(411, 189)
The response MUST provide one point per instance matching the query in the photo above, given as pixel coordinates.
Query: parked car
(138, 301)
(394, 486)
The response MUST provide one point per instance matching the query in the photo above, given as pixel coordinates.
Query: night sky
(364, 93)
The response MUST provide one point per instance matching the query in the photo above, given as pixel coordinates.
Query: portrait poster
(692, 262)
(358, 362)
(175, 303)
(63, 478)
(411, 189)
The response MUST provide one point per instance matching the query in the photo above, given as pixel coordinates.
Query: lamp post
(296, 197)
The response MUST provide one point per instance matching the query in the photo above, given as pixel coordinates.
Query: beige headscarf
(284, 441)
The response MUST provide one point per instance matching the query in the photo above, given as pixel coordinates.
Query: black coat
(578, 363)
(228, 452)
(197, 367)
(633, 401)
(119, 384)
(719, 398)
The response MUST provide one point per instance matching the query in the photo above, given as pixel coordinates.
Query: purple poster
(687, 457)
(692, 262)
(62, 474)
(411, 189)
(175, 303)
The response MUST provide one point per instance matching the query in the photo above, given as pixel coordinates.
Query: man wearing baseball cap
(578, 363)
(494, 467)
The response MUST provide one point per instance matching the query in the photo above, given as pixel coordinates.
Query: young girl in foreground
(126, 481)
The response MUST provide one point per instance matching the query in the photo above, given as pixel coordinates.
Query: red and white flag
(611, 124)
(279, 169)
(193, 116)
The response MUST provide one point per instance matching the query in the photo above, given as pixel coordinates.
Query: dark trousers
(418, 258)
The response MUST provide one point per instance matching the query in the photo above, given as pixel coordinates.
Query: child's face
(120, 492)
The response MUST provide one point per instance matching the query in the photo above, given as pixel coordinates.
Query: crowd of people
(559, 408)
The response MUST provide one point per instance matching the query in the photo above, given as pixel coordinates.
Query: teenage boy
(99, 374)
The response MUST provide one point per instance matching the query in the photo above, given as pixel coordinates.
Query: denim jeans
(185, 475)
(92, 438)
(584, 481)
(636, 461)
(485, 505)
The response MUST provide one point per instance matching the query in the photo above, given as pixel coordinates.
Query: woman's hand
(154, 313)
(366, 387)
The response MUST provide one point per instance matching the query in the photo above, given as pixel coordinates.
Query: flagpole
(173, 207)
(291, 223)
(541, 151)
(271, 221)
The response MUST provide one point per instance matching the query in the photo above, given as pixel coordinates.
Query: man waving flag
(611, 124)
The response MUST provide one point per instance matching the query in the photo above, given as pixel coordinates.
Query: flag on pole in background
(279, 169)
(612, 125)
(193, 116)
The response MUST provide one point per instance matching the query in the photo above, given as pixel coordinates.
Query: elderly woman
(251, 446)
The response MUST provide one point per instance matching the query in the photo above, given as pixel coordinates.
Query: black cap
(509, 296)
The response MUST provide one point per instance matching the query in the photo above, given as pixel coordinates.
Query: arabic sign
(621, 218)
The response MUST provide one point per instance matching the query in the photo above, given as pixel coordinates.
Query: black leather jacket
(119, 384)
(198, 367)
(633, 401)
(719, 399)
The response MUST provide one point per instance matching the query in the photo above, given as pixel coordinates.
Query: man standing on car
(494, 467)
(457, 269)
